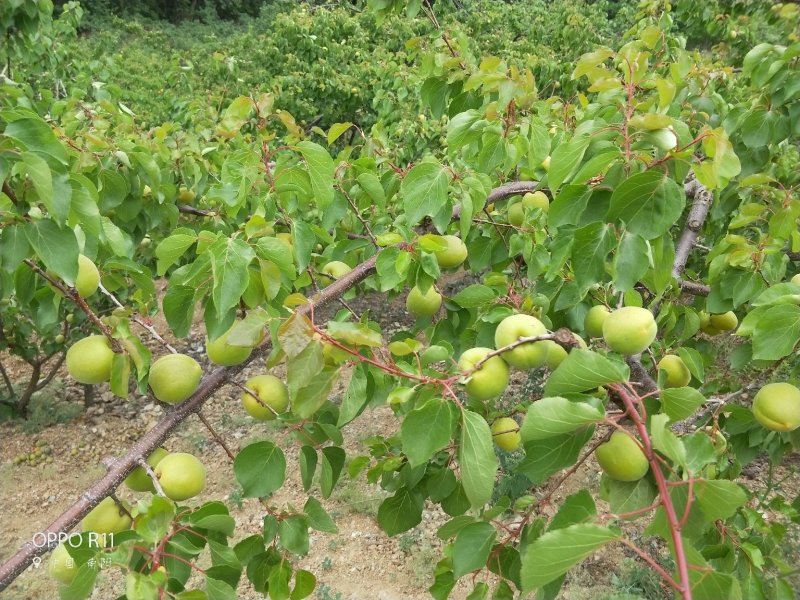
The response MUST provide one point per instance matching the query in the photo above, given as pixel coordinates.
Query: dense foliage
(622, 197)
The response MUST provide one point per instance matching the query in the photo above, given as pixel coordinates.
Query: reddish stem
(663, 490)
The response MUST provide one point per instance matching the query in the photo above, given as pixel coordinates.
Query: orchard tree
(626, 241)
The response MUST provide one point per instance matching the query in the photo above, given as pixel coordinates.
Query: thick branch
(191, 210)
(694, 223)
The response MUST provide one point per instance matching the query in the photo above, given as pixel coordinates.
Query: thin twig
(216, 436)
(139, 321)
(152, 475)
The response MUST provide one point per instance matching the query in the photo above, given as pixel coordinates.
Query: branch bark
(694, 223)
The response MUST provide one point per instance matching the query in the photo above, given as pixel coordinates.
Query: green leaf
(318, 517)
(310, 398)
(555, 416)
(719, 499)
(354, 334)
(308, 464)
(591, 246)
(320, 170)
(37, 136)
(474, 295)
(230, 258)
(649, 203)
(426, 429)
(333, 459)
(178, 305)
(356, 398)
(477, 459)
(565, 159)
(302, 368)
(56, 247)
(171, 249)
(336, 130)
(424, 191)
(629, 496)
(304, 584)
(275, 251)
(120, 374)
(260, 469)
(681, 403)
(630, 261)
(543, 458)
(665, 441)
(400, 512)
(577, 508)
(777, 332)
(552, 554)
(293, 534)
(584, 370)
(471, 548)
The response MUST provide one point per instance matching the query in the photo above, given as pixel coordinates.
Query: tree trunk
(88, 395)
(25, 398)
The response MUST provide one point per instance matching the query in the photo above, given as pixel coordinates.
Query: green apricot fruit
(505, 432)
(62, 566)
(536, 200)
(107, 517)
(423, 305)
(526, 356)
(594, 319)
(333, 270)
(490, 380)
(516, 214)
(718, 439)
(220, 352)
(271, 391)
(795, 279)
(88, 279)
(777, 407)
(452, 256)
(621, 458)
(174, 377)
(678, 374)
(89, 360)
(139, 480)
(181, 475)
(724, 322)
(629, 330)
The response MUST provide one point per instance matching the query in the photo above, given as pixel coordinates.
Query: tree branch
(694, 223)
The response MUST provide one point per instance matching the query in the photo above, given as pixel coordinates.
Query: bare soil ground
(358, 563)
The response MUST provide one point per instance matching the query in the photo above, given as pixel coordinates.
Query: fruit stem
(663, 489)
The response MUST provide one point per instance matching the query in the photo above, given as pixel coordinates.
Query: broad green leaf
(681, 403)
(629, 496)
(230, 258)
(309, 399)
(565, 159)
(356, 397)
(471, 548)
(631, 261)
(426, 429)
(331, 466)
(424, 191)
(552, 554)
(543, 458)
(260, 469)
(178, 305)
(275, 251)
(304, 584)
(320, 170)
(649, 203)
(477, 459)
(777, 332)
(56, 247)
(354, 334)
(400, 512)
(474, 295)
(308, 464)
(293, 534)
(170, 249)
(576, 508)
(303, 367)
(318, 517)
(584, 370)
(336, 130)
(665, 441)
(555, 416)
(591, 246)
(37, 136)
(719, 499)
